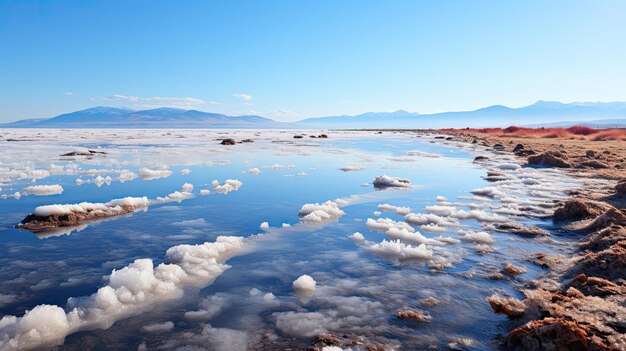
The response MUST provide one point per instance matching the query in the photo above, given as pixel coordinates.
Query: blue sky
(293, 59)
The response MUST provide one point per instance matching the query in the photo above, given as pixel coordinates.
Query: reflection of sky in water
(36, 271)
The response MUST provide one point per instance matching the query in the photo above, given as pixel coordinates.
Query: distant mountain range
(539, 114)
(113, 117)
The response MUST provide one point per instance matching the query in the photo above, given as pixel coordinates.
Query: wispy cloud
(244, 97)
(68, 93)
(247, 99)
(159, 101)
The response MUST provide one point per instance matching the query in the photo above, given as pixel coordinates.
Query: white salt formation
(228, 186)
(42, 190)
(131, 290)
(304, 283)
(51, 216)
(317, 213)
(149, 174)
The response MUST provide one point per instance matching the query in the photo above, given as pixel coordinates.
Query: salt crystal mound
(43, 190)
(228, 186)
(149, 174)
(177, 196)
(385, 181)
(305, 283)
(131, 290)
(397, 250)
(319, 213)
(53, 216)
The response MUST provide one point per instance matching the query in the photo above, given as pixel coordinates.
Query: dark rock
(298, 137)
(518, 147)
(590, 153)
(480, 158)
(84, 153)
(228, 142)
(620, 188)
(323, 136)
(247, 141)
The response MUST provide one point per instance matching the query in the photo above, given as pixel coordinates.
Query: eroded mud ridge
(580, 304)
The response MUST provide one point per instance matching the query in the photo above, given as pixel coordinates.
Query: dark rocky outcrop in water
(84, 153)
(228, 142)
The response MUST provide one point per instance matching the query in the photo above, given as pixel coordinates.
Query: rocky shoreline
(581, 302)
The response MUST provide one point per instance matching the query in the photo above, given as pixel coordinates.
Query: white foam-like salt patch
(228, 186)
(149, 174)
(440, 198)
(476, 237)
(433, 228)
(317, 213)
(508, 166)
(185, 171)
(403, 211)
(177, 196)
(385, 181)
(304, 283)
(253, 171)
(454, 212)
(352, 168)
(130, 290)
(411, 237)
(357, 237)
(384, 224)
(43, 190)
(204, 192)
(396, 249)
(111, 208)
(187, 188)
(429, 218)
(286, 225)
(264, 226)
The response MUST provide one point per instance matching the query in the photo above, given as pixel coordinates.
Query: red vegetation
(575, 132)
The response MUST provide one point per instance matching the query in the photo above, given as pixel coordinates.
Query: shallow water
(357, 292)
